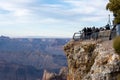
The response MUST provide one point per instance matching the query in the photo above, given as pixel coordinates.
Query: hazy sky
(59, 18)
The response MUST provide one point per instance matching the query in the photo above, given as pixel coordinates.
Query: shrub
(116, 44)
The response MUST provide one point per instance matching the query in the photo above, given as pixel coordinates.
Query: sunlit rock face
(62, 75)
(92, 60)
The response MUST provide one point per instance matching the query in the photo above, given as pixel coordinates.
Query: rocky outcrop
(53, 76)
(92, 60)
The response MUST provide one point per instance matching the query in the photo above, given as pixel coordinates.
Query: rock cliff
(92, 60)
(53, 76)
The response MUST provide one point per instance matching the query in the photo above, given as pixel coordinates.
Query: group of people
(92, 32)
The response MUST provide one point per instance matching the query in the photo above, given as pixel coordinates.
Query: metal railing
(106, 34)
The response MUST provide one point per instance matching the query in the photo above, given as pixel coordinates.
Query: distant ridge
(36, 37)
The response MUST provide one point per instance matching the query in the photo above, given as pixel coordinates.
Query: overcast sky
(56, 18)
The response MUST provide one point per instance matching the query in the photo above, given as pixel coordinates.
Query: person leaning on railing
(89, 32)
(84, 32)
(95, 33)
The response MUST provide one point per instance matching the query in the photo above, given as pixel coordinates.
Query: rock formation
(92, 60)
(53, 76)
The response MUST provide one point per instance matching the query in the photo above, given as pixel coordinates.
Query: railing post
(118, 29)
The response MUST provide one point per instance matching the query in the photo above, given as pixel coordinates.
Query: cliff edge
(92, 60)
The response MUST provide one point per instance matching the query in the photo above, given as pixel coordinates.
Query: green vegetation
(114, 6)
(116, 44)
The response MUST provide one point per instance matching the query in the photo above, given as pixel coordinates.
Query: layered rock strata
(92, 60)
